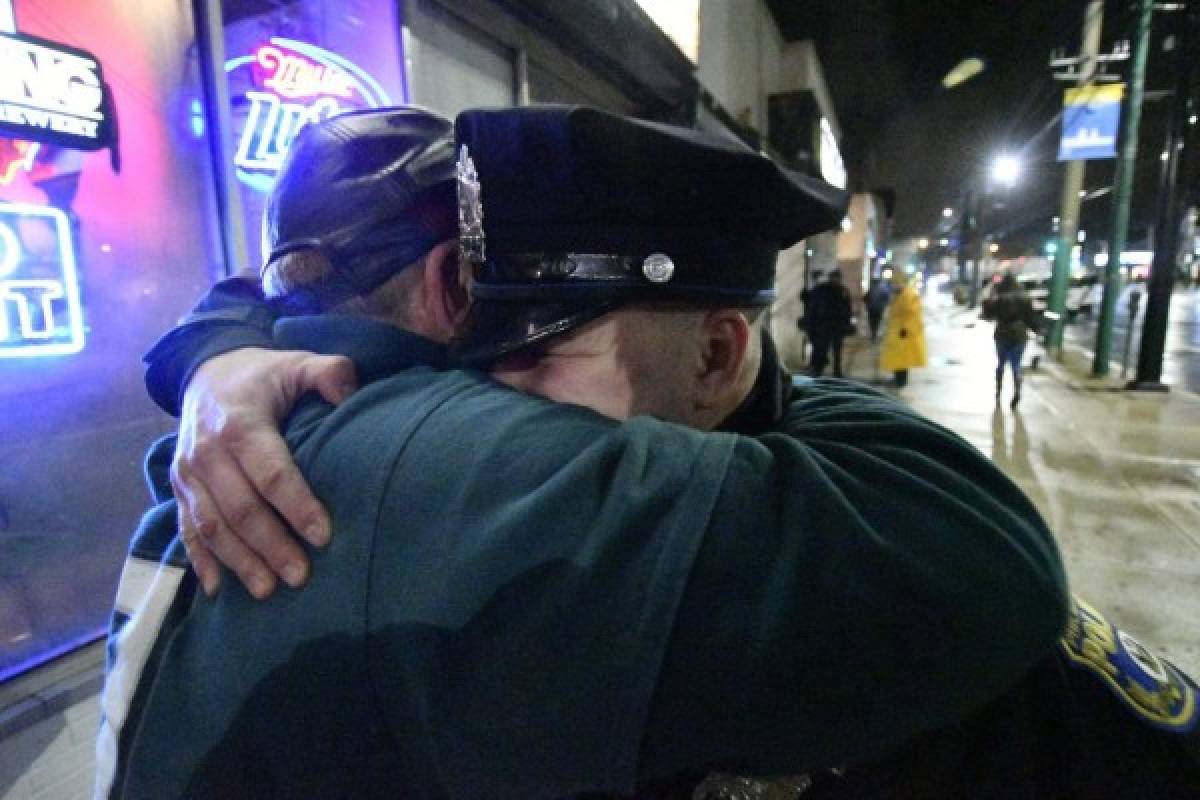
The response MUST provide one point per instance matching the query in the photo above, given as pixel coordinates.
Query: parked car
(1083, 293)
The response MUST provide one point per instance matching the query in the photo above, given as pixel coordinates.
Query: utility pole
(979, 245)
(966, 237)
(1093, 20)
(1123, 185)
(1169, 218)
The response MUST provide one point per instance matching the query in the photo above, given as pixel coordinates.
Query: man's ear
(725, 336)
(446, 298)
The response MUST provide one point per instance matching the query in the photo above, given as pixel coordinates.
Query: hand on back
(236, 483)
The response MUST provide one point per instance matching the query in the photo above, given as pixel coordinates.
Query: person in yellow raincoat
(904, 339)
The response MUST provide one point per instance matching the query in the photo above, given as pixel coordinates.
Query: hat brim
(495, 329)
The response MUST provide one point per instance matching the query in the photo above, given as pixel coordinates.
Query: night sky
(884, 62)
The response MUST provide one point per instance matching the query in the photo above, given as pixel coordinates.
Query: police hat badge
(658, 268)
(470, 209)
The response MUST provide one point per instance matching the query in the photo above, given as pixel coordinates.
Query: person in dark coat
(876, 301)
(1010, 308)
(828, 315)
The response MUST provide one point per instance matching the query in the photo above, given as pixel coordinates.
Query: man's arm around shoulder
(867, 575)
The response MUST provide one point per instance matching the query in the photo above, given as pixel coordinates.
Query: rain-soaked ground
(1115, 473)
(1181, 351)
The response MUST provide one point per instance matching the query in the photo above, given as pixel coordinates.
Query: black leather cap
(373, 190)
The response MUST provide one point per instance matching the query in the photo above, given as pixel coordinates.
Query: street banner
(1091, 119)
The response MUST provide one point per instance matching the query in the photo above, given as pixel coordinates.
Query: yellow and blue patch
(1149, 686)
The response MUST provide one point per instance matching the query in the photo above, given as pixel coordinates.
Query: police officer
(524, 599)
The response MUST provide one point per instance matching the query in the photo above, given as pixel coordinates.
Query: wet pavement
(1181, 360)
(1115, 473)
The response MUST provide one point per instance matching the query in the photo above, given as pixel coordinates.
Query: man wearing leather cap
(526, 599)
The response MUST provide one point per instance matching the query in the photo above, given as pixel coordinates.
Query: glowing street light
(947, 212)
(944, 242)
(923, 243)
(1005, 170)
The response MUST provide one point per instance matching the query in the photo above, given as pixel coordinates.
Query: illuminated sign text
(295, 76)
(282, 87)
(51, 93)
(272, 124)
(40, 312)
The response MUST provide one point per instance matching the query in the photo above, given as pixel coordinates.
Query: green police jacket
(525, 599)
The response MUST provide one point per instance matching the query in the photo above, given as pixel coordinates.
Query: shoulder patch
(1149, 686)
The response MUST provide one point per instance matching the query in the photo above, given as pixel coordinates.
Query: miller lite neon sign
(40, 312)
(280, 88)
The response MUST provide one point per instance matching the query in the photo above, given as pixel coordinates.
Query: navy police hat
(373, 190)
(569, 212)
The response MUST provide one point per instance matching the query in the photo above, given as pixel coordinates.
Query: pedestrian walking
(829, 316)
(1010, 308)
(876, 302)
(904, 338)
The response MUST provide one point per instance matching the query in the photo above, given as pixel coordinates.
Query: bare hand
(233, 475)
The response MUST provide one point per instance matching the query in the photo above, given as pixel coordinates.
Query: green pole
(1123, 186)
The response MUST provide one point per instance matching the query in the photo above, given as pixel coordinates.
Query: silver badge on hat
(658, 268)
(470, 208)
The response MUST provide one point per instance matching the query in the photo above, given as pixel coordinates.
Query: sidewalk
(1116, 474)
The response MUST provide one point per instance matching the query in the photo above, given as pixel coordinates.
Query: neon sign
(282, 87)
(40, 312)
(15, 155)
(52, 93)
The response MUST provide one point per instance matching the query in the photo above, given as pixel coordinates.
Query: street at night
(1115, 472)
(1181, 358)
(607, 399)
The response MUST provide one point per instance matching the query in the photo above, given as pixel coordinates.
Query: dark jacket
(524, 599)
(828, 311)
(877, 298)
(1012, 312)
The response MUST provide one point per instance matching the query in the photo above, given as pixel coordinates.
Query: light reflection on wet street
(1181, 362)
(1115, 473)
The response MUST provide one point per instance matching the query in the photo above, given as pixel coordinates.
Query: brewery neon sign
(52, 93)
(40, 312)
(289, 84)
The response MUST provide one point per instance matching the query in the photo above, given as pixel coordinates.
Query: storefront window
(295, 64)
(100, 251)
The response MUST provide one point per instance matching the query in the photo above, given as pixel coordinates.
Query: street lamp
(1002, 173)
(947, 212)
(922, 243)
(1005, 171)
(965, 70)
